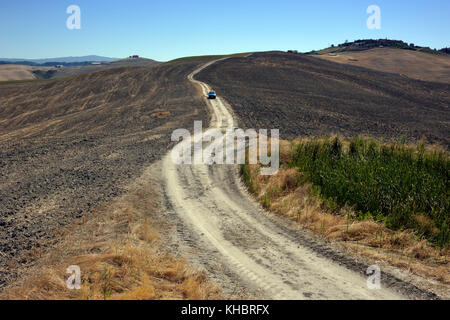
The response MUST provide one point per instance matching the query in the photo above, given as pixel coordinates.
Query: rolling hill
(395, 56)
(413, 64)
(306, 96)
(17, 72)
(68, 145)
(13, 72)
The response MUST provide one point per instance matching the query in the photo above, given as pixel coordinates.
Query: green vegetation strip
(403, 186)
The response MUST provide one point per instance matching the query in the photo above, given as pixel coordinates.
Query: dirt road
(263, 255)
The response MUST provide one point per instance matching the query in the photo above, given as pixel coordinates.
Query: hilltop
(367, 44)
(394, 56)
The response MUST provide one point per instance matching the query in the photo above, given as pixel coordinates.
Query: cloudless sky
(168, 29)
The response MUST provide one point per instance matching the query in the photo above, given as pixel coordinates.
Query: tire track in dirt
(262, 255)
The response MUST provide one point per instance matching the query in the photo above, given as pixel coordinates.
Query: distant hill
(392, 56)
(28, 70)
(367, 44)
(412, 64)
(12, 72)
(91, 58)
(134, 61)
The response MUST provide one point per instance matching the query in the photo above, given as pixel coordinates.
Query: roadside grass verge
(120, 252)
(402, 186)
(387, 202)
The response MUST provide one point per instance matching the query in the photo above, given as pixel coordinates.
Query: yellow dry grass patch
(14, 72)
(119, 251)
(414, 64)
(160, 114)
(288, 193)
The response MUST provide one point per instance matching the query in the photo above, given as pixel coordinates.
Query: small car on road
(212, 95)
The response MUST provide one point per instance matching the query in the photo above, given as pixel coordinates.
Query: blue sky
(164, 30)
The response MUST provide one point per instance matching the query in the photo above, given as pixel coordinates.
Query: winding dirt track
(213, 204)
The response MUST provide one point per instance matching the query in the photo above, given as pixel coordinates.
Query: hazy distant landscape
(18, 69)
(91, 58)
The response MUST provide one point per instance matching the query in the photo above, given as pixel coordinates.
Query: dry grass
(160, 114)
(14, 72)
(118, 249)
(414, 64)
(288, 193)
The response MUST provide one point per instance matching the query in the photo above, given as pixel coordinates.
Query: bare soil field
(121, 250)
(77, 70)
(67, 146)
(305, 96)
(413, 64)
